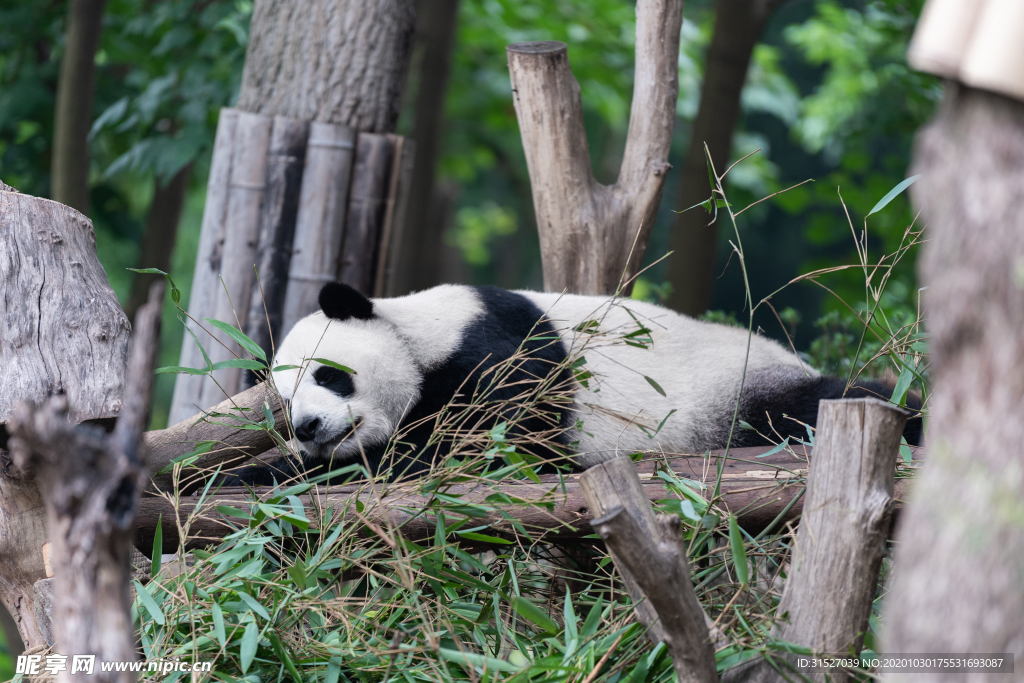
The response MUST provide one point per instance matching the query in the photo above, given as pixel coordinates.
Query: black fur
(341, 302)
(508, 322)
(798, 399)
(338, 381)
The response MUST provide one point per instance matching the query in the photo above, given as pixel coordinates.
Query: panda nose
(307, 430)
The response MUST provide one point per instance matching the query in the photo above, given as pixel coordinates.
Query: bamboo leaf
(239, 337)
(527, 610)
(247, 651)
(893, 193)
(657, 387)
(336, 366)
(149, 603)
(739, 553)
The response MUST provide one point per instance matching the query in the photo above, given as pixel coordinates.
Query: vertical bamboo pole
(366, 211)
(320, 225)
(276, 232)
(189, 388)
(241, 232)
(399, 187)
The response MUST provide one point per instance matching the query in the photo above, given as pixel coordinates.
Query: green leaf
(470, 659)
(243, 363)
(333, 670)
(283, 655)
(739, 553)
(239, 337)
(336, 366)
(149, 603)
(899, 392)
(298, 573)
(247, 651)
(218, 624)
(233, 512)
(158, 546)
(482, 538)
(188, 458)
(527, 610)
(177, 368)
(657, 387)
(279, 368)
(893, 193)
(253, 604)
(778, 447)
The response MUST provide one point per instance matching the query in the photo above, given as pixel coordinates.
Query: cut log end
(538, 47)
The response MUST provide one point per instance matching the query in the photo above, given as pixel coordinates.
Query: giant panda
(571, 368)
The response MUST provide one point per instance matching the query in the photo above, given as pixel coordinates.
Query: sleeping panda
(576, 379)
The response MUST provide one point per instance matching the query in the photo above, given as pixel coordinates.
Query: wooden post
(366, 211)
(90, 501)
(392, 232)
(285, 160)
(206, 280)
(591, 235)
(839, 546)
(650, 555)
(241, 232)
(320, 226)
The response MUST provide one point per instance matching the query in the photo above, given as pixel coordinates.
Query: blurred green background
(828, 97)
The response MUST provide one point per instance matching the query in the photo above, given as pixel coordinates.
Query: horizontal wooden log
(234, 446)
(756, 489)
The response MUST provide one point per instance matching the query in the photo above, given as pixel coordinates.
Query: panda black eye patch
(338, 381)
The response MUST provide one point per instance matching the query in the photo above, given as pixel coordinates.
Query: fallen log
(233, 445)
(756, 489)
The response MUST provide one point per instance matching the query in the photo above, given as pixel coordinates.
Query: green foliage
(180, 62)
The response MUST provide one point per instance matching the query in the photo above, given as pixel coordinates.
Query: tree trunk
(419, 255)
(334, 61)
(91, 500)
(958, 586)
(694, 240)
(69, 172)
(161, 231)
(592, 236)
(57, 306)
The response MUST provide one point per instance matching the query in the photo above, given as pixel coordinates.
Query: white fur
(699, 365)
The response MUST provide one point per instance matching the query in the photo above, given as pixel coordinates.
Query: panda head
(333, 412)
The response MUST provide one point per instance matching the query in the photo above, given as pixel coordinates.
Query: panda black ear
(341, 302)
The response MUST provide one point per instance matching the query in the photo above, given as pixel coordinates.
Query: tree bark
(958, 586)
(694, 239)
(592, 236)
(333, 61)
(161, 232)
(756, 489)
(69, 173)
(91, 500)
(651, 557)
(833, 575)
(419, 256)
(57, 306)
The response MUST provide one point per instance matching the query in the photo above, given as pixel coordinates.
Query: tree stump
(63, 333)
